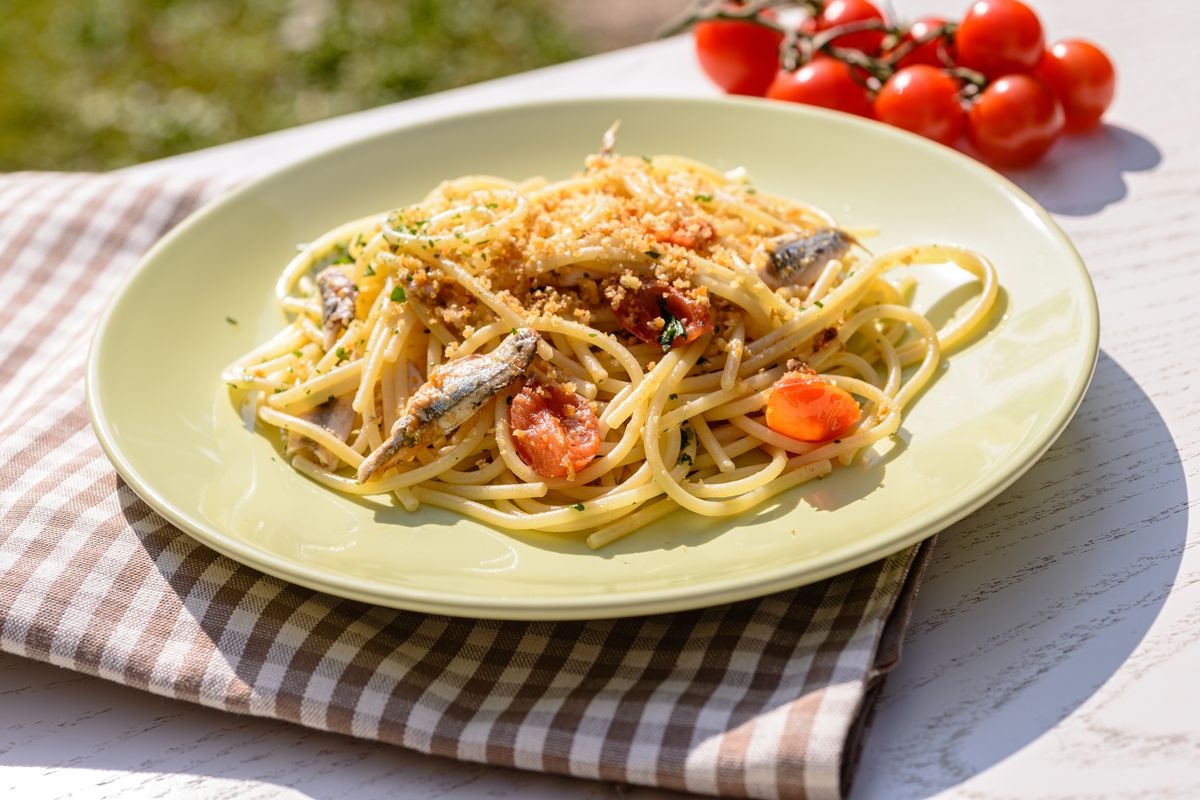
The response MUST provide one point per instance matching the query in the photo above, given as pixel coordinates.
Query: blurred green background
(97, 84)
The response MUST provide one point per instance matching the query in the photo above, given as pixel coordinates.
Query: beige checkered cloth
(763, 698)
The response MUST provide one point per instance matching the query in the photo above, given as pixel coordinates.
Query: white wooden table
(1055, 648)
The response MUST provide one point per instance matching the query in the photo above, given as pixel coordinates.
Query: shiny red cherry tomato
(924, 100)
(844, 12)
(931, 51)
(1083, 79)
(998, 37)
(824, 82)
(555, 431)
(804, 407)
(740, 57)
(638, 310)
(1015, 121)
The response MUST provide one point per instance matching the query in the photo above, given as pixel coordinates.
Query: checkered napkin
(764, 698)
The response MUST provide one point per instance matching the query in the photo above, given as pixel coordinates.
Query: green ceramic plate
(165, 419)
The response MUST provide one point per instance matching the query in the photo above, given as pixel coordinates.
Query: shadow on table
(1033, 603)
(1083, 174)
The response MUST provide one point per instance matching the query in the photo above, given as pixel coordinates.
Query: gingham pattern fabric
(763, 698)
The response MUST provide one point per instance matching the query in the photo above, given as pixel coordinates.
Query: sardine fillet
(453, 394)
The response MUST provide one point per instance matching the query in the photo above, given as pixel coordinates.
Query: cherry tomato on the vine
(924, 100)
(931, 51)
(845, 12)
(998, 37)
(824, 82)
(1015, 121)
(1083, 79)
(740, 57)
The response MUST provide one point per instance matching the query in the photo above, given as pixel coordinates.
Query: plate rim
(600, 605)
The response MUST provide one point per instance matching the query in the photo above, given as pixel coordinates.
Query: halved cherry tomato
(924, 100)
(1083, 79)
(846, 12)
(555, 431)
(931, 51)
(740, 57)
(804, 407)
(638, 308)
(997, 37)
(824, 82)
(1015, 121)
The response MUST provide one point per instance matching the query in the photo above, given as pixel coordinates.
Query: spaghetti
(586, 356)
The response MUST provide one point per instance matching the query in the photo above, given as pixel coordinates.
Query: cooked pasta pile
(586, 356)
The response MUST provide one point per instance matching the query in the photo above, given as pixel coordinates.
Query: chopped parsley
(684, 458)
(297, 353)
(398, 295)
(671, 330)
(818, 304)
(685, 438)
(341, 354)
(491, 205)
(231, 320)
(591, 336)
(513, 331)
(578, 506)
(369, 271)
(653, 253)
(751, 190)
(704, 198)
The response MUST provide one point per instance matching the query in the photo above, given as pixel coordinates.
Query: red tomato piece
(740, 57)
(804, 407)
(846, 12)
(639, 308)
(997, 37)
(824, 82)
(1015, 121)
(924, 100)
(555, 431)
(1082, 78)
(932, 49)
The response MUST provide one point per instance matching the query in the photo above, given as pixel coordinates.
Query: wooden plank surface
(1055, 645)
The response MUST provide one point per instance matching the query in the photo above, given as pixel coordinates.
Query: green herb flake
(703, 198)
(671, 331)
(751, 190)
(513, 331)
(578, 506)
(818, 304)
(341, 354)
(653, 253)
(369, 271)
(685, 438)
(684, 458)
(591, 336)
(231, 320)
(297, 353)
(398, 295)
(491, 205)
(232, 385)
